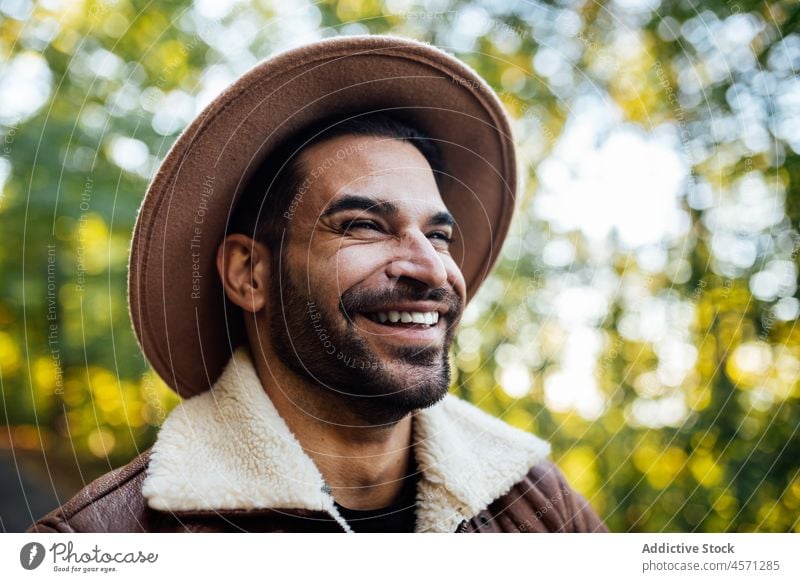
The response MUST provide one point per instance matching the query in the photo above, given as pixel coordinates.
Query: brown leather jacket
(226, 462)
(541, 502)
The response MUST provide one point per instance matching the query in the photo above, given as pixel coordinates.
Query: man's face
(368, 296)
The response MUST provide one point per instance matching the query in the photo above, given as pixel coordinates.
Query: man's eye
(365, 224)
(443, 236)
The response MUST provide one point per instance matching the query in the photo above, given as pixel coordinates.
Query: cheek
(345, 267)
(455, 278)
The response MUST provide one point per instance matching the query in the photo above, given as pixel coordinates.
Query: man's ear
(243, 265)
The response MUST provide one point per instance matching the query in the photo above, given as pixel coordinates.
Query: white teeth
(427, 317)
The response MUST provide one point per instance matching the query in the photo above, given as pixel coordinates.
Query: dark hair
(269, 193)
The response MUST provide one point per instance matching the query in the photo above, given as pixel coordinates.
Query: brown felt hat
(176, 298)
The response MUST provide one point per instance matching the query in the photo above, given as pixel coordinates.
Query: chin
(391, 408)
(407, 388)
(395, 388)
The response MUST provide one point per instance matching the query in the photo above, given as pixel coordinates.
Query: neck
(363, 464)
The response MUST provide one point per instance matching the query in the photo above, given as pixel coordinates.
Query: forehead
(385, 168)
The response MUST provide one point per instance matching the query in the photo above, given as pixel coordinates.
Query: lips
(391, 317)
(400, 332)
(401, 319)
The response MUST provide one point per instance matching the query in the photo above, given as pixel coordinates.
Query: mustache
(355, 300)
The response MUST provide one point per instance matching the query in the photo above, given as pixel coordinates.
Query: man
(298, 271)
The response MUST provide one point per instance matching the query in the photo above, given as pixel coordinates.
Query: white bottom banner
(401, 557)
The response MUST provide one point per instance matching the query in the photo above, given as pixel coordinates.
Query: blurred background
(643, 318)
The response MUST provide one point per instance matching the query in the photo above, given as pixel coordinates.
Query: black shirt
(399, 517)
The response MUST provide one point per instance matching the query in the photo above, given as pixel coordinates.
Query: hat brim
(176, 300)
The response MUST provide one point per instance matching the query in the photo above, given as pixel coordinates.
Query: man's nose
(418, 259)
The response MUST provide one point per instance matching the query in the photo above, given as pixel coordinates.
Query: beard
(325, 347)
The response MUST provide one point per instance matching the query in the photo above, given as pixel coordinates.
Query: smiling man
(340, 205)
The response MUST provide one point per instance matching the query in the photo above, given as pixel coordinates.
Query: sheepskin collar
(229, 449)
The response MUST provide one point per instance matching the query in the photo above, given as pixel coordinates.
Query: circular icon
(31, 555)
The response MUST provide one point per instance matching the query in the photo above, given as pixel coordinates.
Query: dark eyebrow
(351, 202)
(442, 219)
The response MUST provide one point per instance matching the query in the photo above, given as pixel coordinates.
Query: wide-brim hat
(176, 300)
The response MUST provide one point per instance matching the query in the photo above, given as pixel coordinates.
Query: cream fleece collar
(228, 448)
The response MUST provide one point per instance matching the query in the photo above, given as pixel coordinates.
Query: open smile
(405, 324)
(403, 318)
